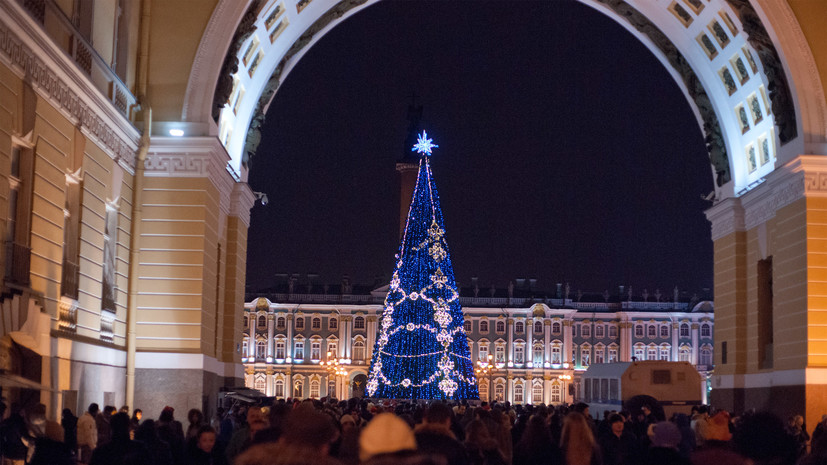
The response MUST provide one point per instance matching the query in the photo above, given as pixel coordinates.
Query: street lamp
(486, 369)
(335, 367)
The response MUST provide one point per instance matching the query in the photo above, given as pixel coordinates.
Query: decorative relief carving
(18, 55)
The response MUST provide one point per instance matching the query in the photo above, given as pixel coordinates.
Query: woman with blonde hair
(577, 441)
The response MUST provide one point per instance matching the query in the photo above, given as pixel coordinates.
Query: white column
(343, 342)
(695, 347)
(370, 322)
(626, 348)
(271, 328)
(547, 343)
(567, 341)
(675, 333)
(349, 336)
(529, 350)
(547, 389)
(289, 342)
(510, 323)
(509, 389)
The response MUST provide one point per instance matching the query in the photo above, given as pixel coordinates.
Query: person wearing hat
(665, 437)
(619, 447)
(388, 440)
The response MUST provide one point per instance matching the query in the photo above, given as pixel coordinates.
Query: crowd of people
(361, 432)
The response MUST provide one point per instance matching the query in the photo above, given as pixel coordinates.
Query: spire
(422, 349)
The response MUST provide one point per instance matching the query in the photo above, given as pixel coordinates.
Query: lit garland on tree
(422, 348)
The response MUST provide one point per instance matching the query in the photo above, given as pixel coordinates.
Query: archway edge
(779, 20)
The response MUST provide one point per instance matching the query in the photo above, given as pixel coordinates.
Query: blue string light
(422, 348)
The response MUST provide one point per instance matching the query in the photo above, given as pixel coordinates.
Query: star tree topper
(424, 145)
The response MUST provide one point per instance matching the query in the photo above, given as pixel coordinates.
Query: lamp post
(335, 367)
(486, 369)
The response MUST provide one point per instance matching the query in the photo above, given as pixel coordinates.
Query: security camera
(264, 199)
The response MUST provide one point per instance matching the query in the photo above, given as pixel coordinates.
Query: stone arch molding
(743, 65)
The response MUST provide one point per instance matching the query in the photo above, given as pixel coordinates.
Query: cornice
(32, 55)
(241, 202)
(727, 217)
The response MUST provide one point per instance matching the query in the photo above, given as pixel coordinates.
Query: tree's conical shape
(421, 350)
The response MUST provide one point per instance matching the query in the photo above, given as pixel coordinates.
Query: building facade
(316, 345)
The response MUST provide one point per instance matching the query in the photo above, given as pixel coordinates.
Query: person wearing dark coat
(203, 448)
(69, 422)
(120, 450)
(159, 449)
(434, 436)
(480, 447)
(618, 447)
(536, 446)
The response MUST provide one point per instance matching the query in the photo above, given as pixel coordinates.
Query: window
(245, 347)
(316, 350)
(499, 392)
(246, 321)
(652, 353)
(484, 326)
(260, 384)
(555, 327)
(281, 322)
(585, 355)
(585, 330)
(537, 394)
(316, 323)
(499, 356)
(652, 331)
(359, 323)
(599, 331)
(299, 323)
(467, 326)
(110, 236)
(332, 324)
(664, 331)
(612, 354)
(261, 349)
(538, 327)
(556, 393)
(639, 352)
(519, 327)
(331, 387)
(664, 352)
(538, 354)
(359, 350)
(500, 326)
(705, 331)
(483, 387)
(279, 388)
(314, 389)
(333, 348)
(613, 332)
(298, 388)
(706, 356)
(280, 349)
(483, 351)
(598, 354)
(684, 330)
(518, 394)
(262, 321)
(299, 352)
(684, 354)
(638, 330)
(556, 354)
(519, 354)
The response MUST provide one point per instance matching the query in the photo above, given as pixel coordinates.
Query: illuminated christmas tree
(421, 351)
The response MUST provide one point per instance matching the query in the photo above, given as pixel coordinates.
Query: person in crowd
(348, 451)
(760, 437)
(434, 436)
(535, 445)
(663, 450)
(618, 447)
(171, 431)
(243, 437)
(577, 443)
(102, 420)
(818, 452)
(204, 448)
(388, 440)
(44, 439)
(480, 447)
(135, 422)
(69, 422)
(147, 433)
(87, 433)
(196, 421)
(120, 450)
(699, 424)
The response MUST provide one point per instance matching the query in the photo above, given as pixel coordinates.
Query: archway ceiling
(718, 51)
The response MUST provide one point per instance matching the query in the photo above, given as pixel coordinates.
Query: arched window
(298, 354)
(585, 330)
(538, 354)
(518, 394)
(261, 349)
(519, 327)
(245, 347)
(706, 356)
(538, 326)
(332, 323)
(359, 322)
(260, 383)
(684, 330)
(664, 331)
(262, 321)
(640, 352)
(598, 354)
(599, 331)
(484, 390)
(705, 331)
(483, 350)
(316, 323)
(612, 353)
(280, 349)
(500, 326)
(331, 387)
(519, 354)
(358, 350)
(556, 354)
(333, 349)
(652, 353)
(638, 330)
(652, 332)
(315, 388)
(315, 350)
(556, 393)
(555, 327)
(499, 392)
(279, 388)
(684, 353)
(483, 326)
(467, 326)
(613, 332)
(246, 321)
(499, 353)
(300, 323)
(537, 394)
(665, 352)
(298, 388)
(585, 355)
(281, 322)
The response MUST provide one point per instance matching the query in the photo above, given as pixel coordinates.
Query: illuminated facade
(538, 350)
(124, 130)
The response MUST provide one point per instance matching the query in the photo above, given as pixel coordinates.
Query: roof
(607, 370)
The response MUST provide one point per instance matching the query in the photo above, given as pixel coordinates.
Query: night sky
(566, 151)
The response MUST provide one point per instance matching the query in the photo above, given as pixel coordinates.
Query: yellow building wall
(729, 254)
(816, 295)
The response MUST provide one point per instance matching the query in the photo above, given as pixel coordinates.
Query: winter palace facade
(316, 345)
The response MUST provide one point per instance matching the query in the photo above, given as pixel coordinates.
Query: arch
(519, 327)
(555, 327)
(500, 326)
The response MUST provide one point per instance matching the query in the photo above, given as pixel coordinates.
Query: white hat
(384, 434)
